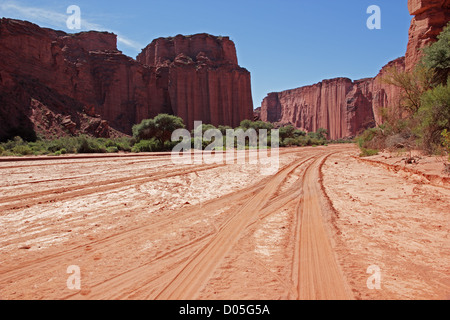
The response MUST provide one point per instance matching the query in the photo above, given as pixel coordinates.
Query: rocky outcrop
(346, 107)
(84, 75)
(430, 17)
(69, 73)
(386, 97)
(338, 105)
(341, 106)
(201, 78)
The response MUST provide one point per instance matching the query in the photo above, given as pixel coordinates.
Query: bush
(161, 127)
(90, 145)
(1, 150)
(144, 130)
(437, 57)
(299, 133)
(112, 150)
(69, 144)
(152, 145)
(124, 144)
(368, 152)
(256, 125)
(287, 132)
(434, 115)
(373, 138)
(289, 142)
(223, 129)
(23, 150)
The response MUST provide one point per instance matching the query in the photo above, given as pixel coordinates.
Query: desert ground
(141, 227)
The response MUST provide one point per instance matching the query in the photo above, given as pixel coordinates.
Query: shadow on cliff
(30, 109)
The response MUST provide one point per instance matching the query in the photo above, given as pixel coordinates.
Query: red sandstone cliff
(81, 83)
(339, 105)
(430, 17)
(342, 106)
(202, 78)
(346, 107)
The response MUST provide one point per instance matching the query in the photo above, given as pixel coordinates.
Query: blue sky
(285, 44)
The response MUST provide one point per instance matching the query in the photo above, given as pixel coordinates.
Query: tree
(413, 85)
(166, 125)
(287, 132)
(223, 129)
(160, 127)
(322, 134)
(437, 56)
(256, 125)
(434, 115)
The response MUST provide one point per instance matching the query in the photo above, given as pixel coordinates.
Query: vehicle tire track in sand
(194, 275)
(316, 273)
(61, 194)
(143, 283)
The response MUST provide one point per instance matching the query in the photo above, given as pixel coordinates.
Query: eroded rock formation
(76, 78)
(345, 107)
(339, 105)
(202, 79)
(430, 17)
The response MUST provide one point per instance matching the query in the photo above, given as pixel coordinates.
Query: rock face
(430, 18)
(345, 107)
(77, 78)
(339, 105)
(201, 78)
(342, 106)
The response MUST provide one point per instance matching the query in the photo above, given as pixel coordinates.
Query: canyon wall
(345, 107)
(57, 83)
(202, 78)
(430, 17)
(341, 106)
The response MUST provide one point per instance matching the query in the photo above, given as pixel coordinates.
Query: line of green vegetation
(422, 120)
(66, 145)
(154, 135)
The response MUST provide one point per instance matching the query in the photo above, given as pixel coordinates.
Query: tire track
(61, 194)
(181, 271)
(187, 283)
(316, 273)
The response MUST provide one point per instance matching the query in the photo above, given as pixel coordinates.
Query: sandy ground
(141, 227)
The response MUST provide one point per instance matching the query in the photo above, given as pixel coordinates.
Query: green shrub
(1, 150)
(437, 57)
(124, 144)
(434, 116)
(90, 145)
(289, 142)
(373, 138)
(223, 129)
(161, 127)
(299, 133)
(152, 145)
(112, 150)
(23, 150)
(368, 152)
(287, 132)
(256, 125)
